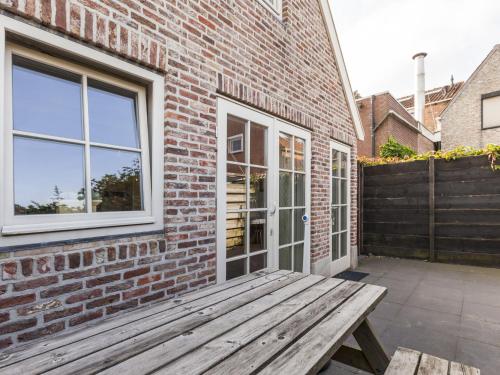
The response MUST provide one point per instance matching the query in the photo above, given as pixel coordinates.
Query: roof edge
(326, 9)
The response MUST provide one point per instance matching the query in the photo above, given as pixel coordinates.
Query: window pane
(258, 188)
(236, 187)
(300, 189)
(343, 218)
(46, 100)
(235, 234)
(491, 112)
(343, 164)
(285, 189)
(335, 247)
(285, 258)
(258, 262)
(298, 258)
(236, 139)
(116, 180)
(343, 244)
(299, 225)
(285, 151)
(45, 182)
(335, 191)
(236, 268)
(343, 191)
(299, 154)
(258, 231)
(112, 117)
(285, 226)
(258, 144)
(335, 163)
(335, 219)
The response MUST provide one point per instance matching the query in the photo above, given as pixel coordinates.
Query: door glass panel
(258, 262)
(300, 189)
(236, 187)
(285, 189)
(258, 188)
(285, 226)
(247, 197)
(46, 100)
(258, 145)
(235, 234)
(343, 218)
(236, 268)
(335, 163)
(335, 247)
(335, 219)
(343, 191)
(335, 191)
(299, 226)
(285, 151)
(299, 154)
(258, 231)
(236, 139)
(343, 244)
(343, 165)
(285, 258)
(298, 257)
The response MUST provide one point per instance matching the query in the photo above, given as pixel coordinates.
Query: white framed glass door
(257, 215)
(340, 207)
(293, 201)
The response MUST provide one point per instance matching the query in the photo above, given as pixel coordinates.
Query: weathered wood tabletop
(269, 322)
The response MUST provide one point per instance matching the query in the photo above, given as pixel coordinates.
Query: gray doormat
(351, 275)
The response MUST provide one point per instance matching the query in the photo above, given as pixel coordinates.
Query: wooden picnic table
(268, 322)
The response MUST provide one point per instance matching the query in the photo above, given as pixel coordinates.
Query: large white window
(78, 145)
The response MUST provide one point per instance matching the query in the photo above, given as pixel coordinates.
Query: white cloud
(379, 37)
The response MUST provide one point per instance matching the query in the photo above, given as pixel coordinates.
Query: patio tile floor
(451, 311)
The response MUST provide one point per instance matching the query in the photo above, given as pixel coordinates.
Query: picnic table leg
(371, 347)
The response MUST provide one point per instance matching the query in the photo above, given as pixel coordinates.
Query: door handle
(272, 211)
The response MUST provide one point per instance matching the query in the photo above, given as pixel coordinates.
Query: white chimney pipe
(419, 86)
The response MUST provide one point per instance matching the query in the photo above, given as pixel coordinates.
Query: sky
(379, 38)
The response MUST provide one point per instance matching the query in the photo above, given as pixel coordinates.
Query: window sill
(13, 230)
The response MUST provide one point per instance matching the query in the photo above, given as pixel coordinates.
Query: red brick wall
(432, 112)
(237, 48)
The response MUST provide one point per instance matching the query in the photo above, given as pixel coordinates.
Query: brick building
(473, 117)
(383, 116)
(436, 101)
(151, 148)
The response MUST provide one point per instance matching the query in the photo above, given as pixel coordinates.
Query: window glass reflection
(236, 187)
(116, 180)
(258, 231)
(46, 100)
(112, 117)
(236, 139)
(235, 234)
(258, 144)
(285, 150)
(48, 177)
(258, 188)
(299, 154)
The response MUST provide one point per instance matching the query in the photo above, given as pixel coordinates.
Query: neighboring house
(152, 148)
(436, 101)
(383, 116)
(473, 117)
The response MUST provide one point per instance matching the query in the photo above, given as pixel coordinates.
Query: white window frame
(275, 6)
(27, 229)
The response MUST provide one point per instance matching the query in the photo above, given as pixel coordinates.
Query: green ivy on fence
(492, 151)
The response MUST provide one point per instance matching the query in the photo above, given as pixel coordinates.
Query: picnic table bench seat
(411, 362)
(271, 322)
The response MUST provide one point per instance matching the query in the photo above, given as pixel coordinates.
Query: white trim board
(326, 9)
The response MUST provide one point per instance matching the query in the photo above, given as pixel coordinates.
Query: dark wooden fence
(445, 211)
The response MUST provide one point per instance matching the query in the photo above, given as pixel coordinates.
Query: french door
(340, 207)
(263, 182)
